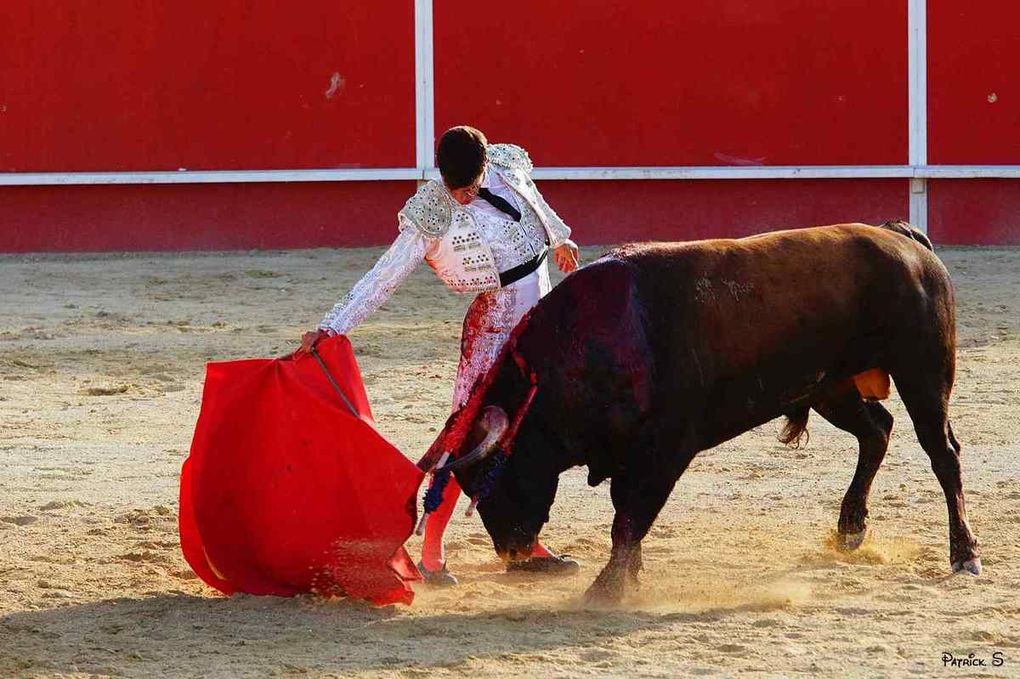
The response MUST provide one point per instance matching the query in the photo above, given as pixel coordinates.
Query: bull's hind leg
(926, 397)
(871, 424)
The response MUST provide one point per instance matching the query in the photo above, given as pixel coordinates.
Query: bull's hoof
(970, 566)
(848, 542)
(606, 591)
(600, 597)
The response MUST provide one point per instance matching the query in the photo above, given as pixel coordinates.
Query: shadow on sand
(178, 634)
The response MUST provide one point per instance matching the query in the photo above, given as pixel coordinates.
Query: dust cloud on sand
(101, 367)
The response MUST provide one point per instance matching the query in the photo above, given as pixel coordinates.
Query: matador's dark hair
(460, 156)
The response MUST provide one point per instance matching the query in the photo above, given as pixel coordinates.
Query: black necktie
(500, 204)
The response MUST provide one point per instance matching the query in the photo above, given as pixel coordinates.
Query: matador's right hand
(311, 338)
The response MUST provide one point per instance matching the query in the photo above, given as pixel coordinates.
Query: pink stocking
(540, 550)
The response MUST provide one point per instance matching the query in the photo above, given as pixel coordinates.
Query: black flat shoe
(549, 565)
(440, 578)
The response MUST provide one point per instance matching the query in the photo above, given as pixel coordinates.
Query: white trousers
(487, 325)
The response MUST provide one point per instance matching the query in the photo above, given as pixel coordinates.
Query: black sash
(521, 270)
(499, 203)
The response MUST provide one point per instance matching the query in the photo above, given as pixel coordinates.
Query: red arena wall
(702, 82)
(218, 92)
(973, 84)
(229, 85)
(974, 119)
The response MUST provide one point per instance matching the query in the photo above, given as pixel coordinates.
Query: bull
(657, 351)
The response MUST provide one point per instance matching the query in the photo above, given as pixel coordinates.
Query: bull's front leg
(609, 585)
(636, 564)
(637, 503)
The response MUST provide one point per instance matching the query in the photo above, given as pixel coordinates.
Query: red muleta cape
(285, 491)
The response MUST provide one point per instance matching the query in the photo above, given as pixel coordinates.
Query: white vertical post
(424, 87)
(917, 65)
(919, 203)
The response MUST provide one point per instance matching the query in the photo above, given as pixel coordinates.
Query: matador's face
(466, 194)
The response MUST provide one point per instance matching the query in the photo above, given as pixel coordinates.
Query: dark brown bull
(657, 351)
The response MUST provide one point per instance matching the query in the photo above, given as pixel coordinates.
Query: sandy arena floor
(101, 368)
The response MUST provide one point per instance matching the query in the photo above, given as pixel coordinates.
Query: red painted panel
(231, 84)
(199, 216)
(974, 211)
(613, 212)
(660, 82)
(974, 82)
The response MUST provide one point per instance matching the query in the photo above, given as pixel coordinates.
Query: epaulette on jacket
(429, 209)
(509, 155)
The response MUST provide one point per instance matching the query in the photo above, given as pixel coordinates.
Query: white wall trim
(206, 177)
(782, 172)
(542, 173)
(424, 85)
(917, 84)
(743, 172)
(969, 172)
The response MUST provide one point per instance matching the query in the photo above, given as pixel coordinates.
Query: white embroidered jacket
(463, 260)
(435, 227)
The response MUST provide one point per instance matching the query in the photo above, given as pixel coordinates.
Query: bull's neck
(536, 435)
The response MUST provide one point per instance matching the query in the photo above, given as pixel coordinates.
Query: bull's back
(745, 295)
(752, 325)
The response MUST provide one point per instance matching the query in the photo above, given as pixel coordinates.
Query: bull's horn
(431, 457)
(495, 422)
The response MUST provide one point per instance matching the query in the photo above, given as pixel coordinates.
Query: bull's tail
(795, 433)
(905, 229)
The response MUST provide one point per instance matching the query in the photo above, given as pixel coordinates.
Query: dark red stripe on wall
(199, 216)
(612, 212)
(346, 214)
(974, 211)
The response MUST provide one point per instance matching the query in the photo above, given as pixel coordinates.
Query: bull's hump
(629, 252)
(612, 270)
(601, 289)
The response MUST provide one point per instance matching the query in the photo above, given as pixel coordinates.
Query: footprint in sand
(19, 520)
(63, 504)
(104, 391)
(765, 622)
(145, 556)
(596, 655)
